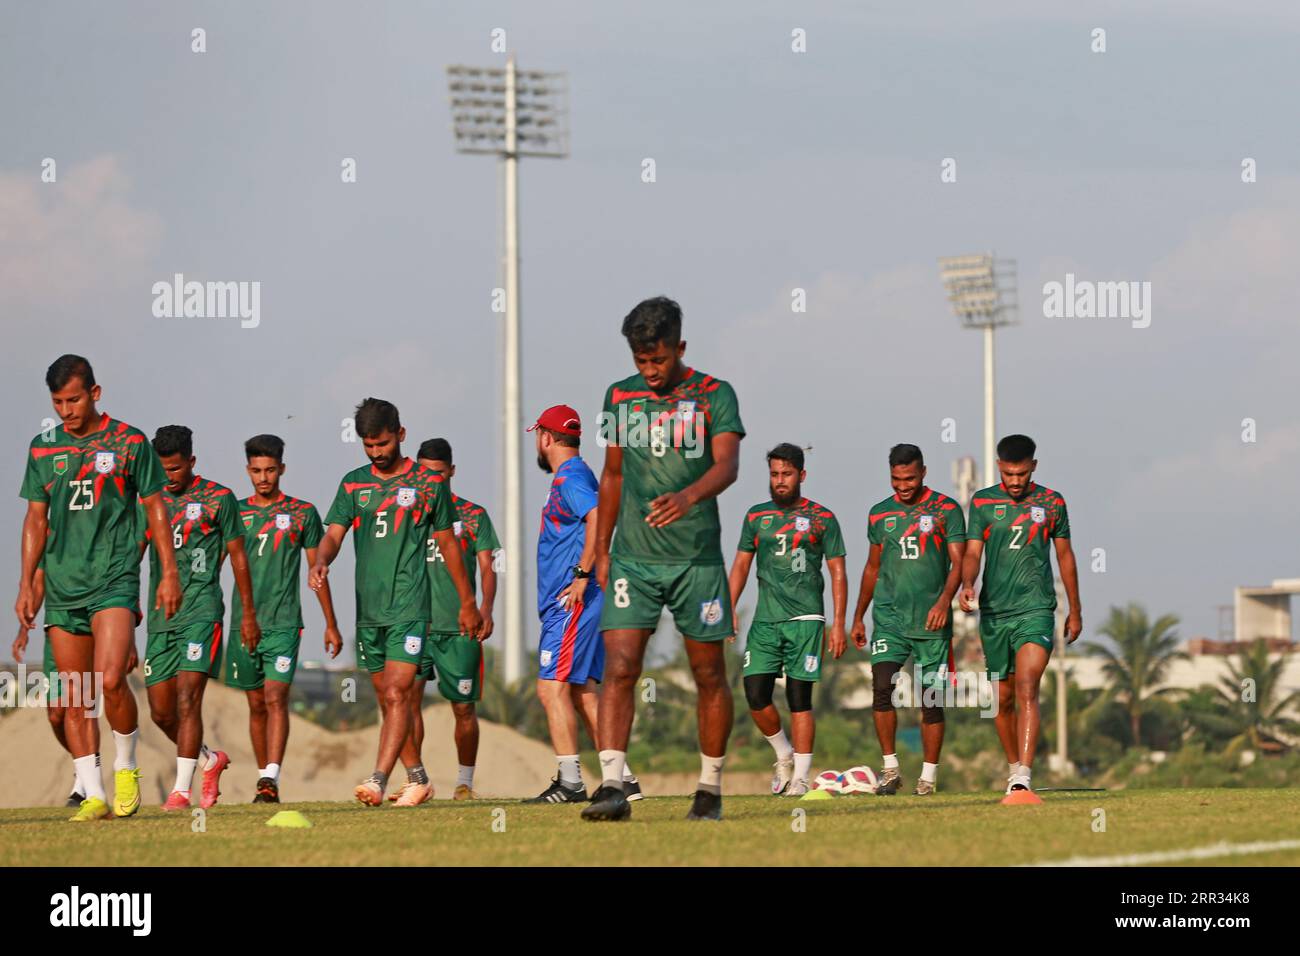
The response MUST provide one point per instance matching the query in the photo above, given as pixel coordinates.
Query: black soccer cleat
(632, 790)
(559, 792)
(268, 791)
(607, 803)
(74, 800)
(706, 806)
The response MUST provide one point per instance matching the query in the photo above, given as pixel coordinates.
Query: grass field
(966, 829)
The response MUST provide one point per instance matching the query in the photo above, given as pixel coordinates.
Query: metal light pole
(982, 291)
(509, 113)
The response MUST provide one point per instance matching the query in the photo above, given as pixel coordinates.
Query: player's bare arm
(970, 569)
(168, 596)
(609, 496)
(469, 619)
(333, 639)
(576, 590)
(1070, 581)
(487, 574)
(250, 632)
(737, 580)
(667, 508)
(866, 590)
(835, 640)
(937, 618)
(330, 543)
(20, 642)
(36, 529)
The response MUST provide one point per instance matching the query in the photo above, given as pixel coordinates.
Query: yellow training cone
(289, 818)
(816, 795)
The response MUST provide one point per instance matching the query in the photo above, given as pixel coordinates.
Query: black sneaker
(268, 791)
(608, 803)
(74, 799)
(707, 806)
(559, 792)
(632, 790)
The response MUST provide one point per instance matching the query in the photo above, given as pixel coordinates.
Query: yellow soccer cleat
(92, 808)
(126, 792)
(463, 792)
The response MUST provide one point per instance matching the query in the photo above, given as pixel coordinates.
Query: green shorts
(457, 661)
(792, 648)
(276, 658)
(76, 620)
(696, 594)
(195, 648)
(382, 643)
(51, 670)
(933, 654)
(1002, 638)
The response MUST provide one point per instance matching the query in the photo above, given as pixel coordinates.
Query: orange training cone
(1017, 798)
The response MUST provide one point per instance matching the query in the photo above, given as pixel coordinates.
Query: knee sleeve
(758, 690)
(798, 694)
(882, 684)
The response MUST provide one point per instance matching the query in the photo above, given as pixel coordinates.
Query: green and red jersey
(474, 533)
(790, 544)
(91, 485)
(390, 518)
(204, 517)
(667, 445)
(914, 562)
(275, 536)
(1017, 555)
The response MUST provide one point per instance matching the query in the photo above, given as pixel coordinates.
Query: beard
(543, 464)
(785, 501)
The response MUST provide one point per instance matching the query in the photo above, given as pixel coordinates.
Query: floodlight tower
(509, 113)
(983, 294)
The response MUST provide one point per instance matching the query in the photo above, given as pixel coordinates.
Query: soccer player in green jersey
(456, 659)
(278, 530)
(394, 504)
(82, 482)
(672, 436)
(914, 563)
(1010, 526)
(183, 651)
(791, 535)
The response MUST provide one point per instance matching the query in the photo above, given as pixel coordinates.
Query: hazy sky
(775, 170)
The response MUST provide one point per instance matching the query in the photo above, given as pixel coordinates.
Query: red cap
(559, 418)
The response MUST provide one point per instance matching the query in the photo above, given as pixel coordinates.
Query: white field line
(1175, 856)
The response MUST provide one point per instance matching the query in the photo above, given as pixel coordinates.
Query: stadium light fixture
(509, 113)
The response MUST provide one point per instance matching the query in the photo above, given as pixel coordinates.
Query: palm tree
(1259, 714)
(1137, 659)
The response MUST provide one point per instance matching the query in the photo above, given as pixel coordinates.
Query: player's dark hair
(1017, 448)
(265, 446)
(905, 455)
(791, 454)
(436, 449)
(651, 322)
(375, 416)
(65, 369)
(173, 440)
(568, 441)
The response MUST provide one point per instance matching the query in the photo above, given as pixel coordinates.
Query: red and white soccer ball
(858, 780)
(829, 780)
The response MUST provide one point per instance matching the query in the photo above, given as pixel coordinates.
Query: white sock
(891, 761)
(781, 745)
(1026, 773)
(124, 749)
(273, 771)
(464, 776)
(261, 772)
(570, 770)
(76, 781)
(928, 770)
(612, 763)
(1013, 769)
(802, 766)
(185, 773)
(711, 773)
(207, 758)
(90, 777)
(628, 775)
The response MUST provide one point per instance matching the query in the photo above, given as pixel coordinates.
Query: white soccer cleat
(795, 788)
(782, 774)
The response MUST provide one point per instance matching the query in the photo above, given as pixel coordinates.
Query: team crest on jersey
(457, 527)
(766, 522)
(926, 524)
(710, 611)
(891, 523)
(363, 497)
(801, 523)
(60, 464)
(1038, 515)
(282, 522)
(193, 510)
(104, 461)
(248, 521)
(405, 497)
(686, 410)
(999, 511)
